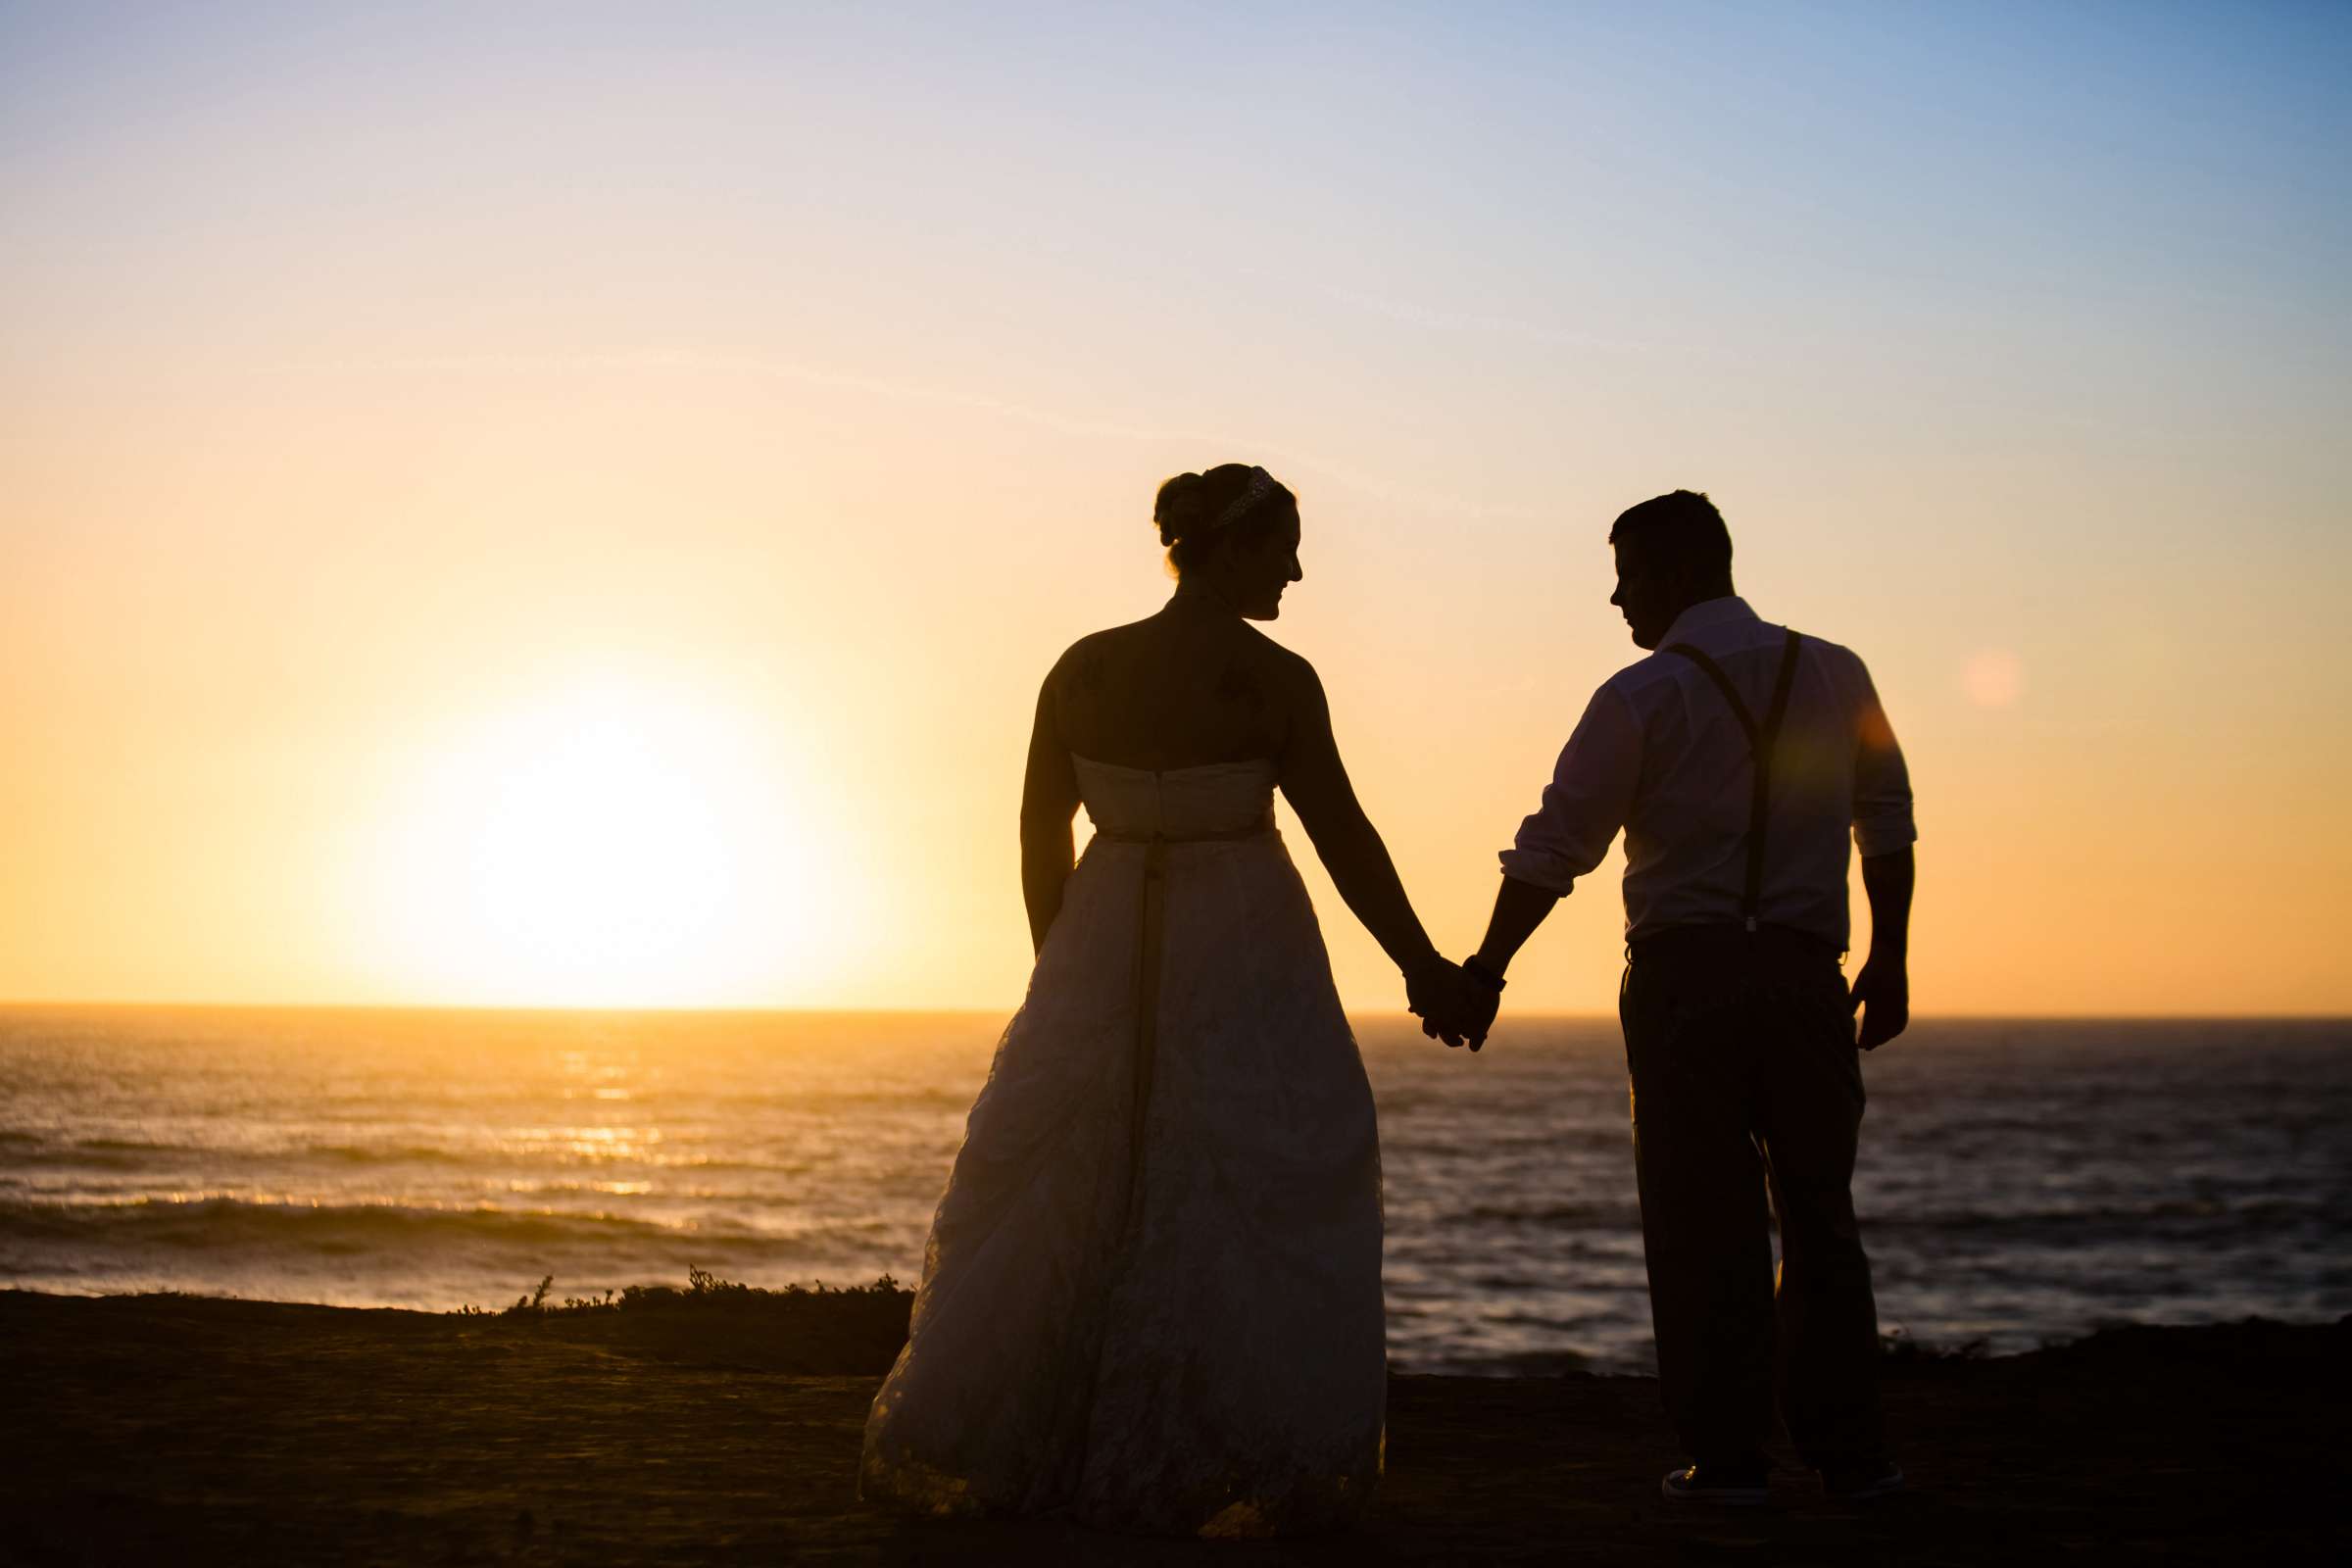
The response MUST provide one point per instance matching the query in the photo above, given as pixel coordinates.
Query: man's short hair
(1681, 527)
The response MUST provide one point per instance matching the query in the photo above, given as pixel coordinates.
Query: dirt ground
(190, 1430)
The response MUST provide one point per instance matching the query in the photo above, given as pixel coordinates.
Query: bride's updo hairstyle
(1201, 514)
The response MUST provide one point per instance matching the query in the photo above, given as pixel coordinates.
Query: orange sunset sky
(571, 505)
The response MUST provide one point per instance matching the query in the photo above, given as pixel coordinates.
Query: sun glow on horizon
(615, 842)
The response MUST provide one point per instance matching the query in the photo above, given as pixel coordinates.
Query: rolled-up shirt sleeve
(1883, 820)
(1592, 790)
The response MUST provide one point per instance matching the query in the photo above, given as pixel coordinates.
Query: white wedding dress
(1151, 1294)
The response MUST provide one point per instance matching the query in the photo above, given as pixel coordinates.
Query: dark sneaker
(1721, 1485)
(1859, 1483)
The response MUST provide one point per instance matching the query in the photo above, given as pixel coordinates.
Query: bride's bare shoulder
(1290, 671)
(1236, 659)
(1086, 661)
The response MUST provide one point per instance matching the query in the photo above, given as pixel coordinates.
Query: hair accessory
(1261, 485)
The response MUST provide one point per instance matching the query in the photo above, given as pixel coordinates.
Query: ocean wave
(1453, 1138)
(99, 1153)
(31, 1152)
(2165, 1214)
(1550, 1216)
(138, 1153)
(235, 1222)
(398, 1154)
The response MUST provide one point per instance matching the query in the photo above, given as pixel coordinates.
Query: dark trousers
(1746, 1084)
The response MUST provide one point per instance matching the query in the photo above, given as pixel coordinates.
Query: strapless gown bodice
(1217, 800)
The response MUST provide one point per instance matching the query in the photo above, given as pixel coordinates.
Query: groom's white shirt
(1660, 755)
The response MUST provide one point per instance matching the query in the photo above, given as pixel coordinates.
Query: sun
(599, 852)
(619, 842)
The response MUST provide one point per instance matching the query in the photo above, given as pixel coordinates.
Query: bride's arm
(1316, 783)
(1048, 800)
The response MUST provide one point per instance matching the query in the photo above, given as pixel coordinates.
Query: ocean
(2022, 1182)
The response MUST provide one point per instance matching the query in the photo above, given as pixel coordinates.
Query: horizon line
(998, 1012)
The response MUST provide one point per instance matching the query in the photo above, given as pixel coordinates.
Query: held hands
(1450, 1004)
(1883, 995)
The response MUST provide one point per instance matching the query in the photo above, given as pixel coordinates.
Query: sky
(571, 505)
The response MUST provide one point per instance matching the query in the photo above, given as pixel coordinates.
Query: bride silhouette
(1152, 1292)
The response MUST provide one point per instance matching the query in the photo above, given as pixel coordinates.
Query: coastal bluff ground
(173, 1428)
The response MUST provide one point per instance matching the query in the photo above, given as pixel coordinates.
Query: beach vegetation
(702, 1289)
(812, 1327)
(1898, 1345)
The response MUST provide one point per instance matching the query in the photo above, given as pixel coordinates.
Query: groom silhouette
(1735, 757)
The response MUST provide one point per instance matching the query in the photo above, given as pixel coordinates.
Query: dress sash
(1151, 930)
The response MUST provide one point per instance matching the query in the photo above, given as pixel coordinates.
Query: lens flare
(1992, 678)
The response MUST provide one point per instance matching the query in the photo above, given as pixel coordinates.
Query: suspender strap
(1763, 744)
